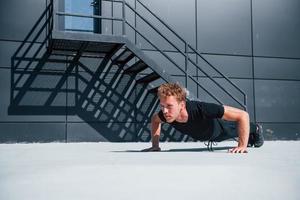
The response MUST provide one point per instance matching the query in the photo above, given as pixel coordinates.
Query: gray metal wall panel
(83, 132)
(116, 132)
(224, 27)
(112, 132)
(230, 66)
(244, 84)
(276, 28)
(178, 14)
(9, 49)
(275, 68)
(9, 113)
(108, 98)
(277, 101)
(57, 63)
(18, 18)
(281, 131)
(90, 63)
(167, 133)
(174, 64)
(32, 132)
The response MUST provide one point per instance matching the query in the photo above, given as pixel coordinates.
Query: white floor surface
(108, 171)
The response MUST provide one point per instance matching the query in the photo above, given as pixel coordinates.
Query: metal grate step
(124, 56)
(136, 67)
(153, 90)
(149, 78)
(74, 45)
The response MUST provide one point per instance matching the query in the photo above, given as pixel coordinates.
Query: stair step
(136, 67)
(153, 90)
(67, 46)
(148, 78)
(124, 56)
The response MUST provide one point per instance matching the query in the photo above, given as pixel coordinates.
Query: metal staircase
(122, 86)
(119, 35)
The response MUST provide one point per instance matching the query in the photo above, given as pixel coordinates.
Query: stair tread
(74, 45)
(136, 67)
(153, 90)
(124, 56)
(148, 78)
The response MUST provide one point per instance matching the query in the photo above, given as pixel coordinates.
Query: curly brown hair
(172, 89)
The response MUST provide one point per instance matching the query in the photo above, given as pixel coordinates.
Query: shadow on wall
(48, 83)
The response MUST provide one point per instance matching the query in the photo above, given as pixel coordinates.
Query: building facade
(255, 43)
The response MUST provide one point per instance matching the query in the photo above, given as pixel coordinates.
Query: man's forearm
(155, 140)
(155, 131)
(243, 131)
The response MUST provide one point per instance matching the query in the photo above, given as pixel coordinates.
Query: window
(83, 7)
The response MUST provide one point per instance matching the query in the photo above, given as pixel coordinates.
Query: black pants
(224, 130)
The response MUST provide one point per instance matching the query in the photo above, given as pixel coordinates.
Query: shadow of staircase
(117, 96)
(112, 98)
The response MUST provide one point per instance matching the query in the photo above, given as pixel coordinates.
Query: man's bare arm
(155, 130)
(155, 133)
(243, 126)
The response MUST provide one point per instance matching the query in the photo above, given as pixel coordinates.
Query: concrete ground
(58, 171)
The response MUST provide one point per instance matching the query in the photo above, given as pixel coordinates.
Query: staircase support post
(123, 17)
(185, 65)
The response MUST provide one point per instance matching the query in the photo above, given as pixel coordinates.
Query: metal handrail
(88, 16)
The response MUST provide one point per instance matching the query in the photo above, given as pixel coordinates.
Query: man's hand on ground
(151, 149)
(238, 150)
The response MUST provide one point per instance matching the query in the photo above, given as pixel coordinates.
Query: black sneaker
(258, 138)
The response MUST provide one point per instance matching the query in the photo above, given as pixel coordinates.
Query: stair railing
(187, 58)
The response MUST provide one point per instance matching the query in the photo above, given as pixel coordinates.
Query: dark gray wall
(255, 43)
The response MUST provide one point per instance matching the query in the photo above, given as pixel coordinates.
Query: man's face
(171, 108)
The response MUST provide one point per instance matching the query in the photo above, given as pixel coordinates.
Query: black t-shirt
(200, 122)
